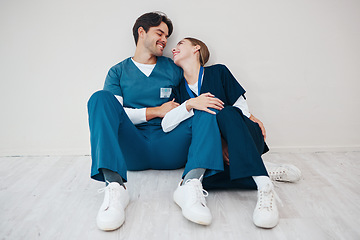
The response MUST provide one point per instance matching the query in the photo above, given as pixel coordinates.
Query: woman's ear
(196, 48)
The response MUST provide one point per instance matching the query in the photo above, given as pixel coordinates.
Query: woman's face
(183, 51)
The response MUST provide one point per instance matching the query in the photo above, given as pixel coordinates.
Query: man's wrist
(152, 112)
(189, 105)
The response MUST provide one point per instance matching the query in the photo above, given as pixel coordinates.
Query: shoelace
(101, 190)
(200, 193)
(113, 195)
(266, 197)
(277, 174)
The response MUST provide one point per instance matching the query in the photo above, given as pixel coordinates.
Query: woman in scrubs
(214, 89)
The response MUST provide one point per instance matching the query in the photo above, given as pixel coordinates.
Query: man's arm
(136, 115)
(154, 112)
(140, 115)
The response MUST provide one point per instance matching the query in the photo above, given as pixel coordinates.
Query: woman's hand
(261, 125)
(204, 102)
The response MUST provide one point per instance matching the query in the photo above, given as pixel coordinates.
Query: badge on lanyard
(165, 92)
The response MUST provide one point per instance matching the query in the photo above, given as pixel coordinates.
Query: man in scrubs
(126, 134)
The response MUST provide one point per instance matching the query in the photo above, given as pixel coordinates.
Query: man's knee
(103, 102)
(100, 96)
(103, 99)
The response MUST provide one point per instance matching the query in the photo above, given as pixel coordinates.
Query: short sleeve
(112, 81)
(232, 87)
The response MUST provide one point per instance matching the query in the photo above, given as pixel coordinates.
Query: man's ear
(141, 32)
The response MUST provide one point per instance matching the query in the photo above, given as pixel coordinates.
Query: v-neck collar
(201, 87)
(133, 64)
(198, 84)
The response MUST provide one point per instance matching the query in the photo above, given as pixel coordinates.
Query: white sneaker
(191, 199)
(266, 214)
(284, 173)
(111, 214)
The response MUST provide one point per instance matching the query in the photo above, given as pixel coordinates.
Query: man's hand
(160, 111)
(225, 151)
(261, 125)
(167, 107)
(204, 102)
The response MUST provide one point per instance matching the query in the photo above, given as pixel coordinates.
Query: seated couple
(154, 114)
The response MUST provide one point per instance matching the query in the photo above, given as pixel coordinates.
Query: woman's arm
(174, 117)
(203, 102)
(261, 125)
(242, 105)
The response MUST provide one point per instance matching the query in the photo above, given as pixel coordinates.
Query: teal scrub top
(139, 91)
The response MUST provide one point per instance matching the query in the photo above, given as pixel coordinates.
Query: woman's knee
(204, 118)
(200, 113)
(226, 113)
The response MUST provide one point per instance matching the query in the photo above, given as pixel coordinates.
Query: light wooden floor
(54, 198)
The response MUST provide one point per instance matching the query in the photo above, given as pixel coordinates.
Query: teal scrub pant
(245, 145)
(119, 145)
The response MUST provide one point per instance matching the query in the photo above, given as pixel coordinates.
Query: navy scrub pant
(245, 145)
(118, 145)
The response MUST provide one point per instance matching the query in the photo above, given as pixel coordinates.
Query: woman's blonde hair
(204, 53)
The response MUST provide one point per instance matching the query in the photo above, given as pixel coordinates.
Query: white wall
(298, 60)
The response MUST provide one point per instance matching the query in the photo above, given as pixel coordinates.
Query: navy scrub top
(217, 80)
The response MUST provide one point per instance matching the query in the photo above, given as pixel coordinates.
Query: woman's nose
(173, 50)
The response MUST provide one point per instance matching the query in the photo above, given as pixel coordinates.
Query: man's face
(156, 38)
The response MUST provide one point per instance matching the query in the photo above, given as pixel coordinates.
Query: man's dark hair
(151, 19)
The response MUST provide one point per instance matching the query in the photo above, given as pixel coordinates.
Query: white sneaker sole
(202, 220)
(268, 225)
(110, 226)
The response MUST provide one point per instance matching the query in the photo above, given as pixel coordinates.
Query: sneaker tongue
(267, 188)
(198, 191)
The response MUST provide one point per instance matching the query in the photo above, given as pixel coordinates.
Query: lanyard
(191, 94)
